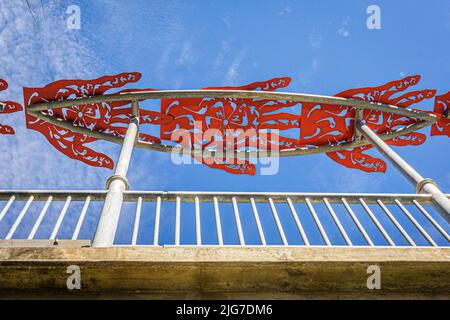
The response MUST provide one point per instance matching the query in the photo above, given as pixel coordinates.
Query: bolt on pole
(116, 185)
(423, 185)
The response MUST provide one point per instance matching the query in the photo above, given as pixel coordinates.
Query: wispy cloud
(31, 55)
(344, 28)
(315, 65)
(285, 11)
(226, 21)
(233, 76)
(35, 54)
(307, 74)
(187, 54)
(224, 50)
(315, 39)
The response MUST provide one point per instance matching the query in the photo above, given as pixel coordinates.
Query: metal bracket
(358, 119)
(423, 182)
(135, 109)
(117, 177)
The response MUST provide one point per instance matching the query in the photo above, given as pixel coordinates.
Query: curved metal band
(423, 182)
(426, 119)
(117, 177)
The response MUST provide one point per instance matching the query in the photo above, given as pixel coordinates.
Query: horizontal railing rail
(228, 218)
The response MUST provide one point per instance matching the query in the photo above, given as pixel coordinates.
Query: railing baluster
(297, 222)
(6, 208)
(81, 218)
(337, 222)
(218, 223)
(258, 222)
(40, 218)
(377, 223)
(238, 222)
(365, 200)
(356, 220)
(19, 219)
(198, 227)
(416, 224)
(430, 218)
(60, 218)
(137, 219)
(278, 222)
(317, 221)
(177, 221)
(157, 219)
(395, 222)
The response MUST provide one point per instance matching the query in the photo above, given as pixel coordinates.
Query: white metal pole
(427, 186)
(117, 184)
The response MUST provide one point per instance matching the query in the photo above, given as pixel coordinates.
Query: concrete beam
(225, 272)
(44, 243)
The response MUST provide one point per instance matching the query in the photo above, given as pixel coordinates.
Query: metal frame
(423, 185)
(117, 184)
(208, 196)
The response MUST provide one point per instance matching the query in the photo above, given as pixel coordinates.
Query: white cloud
(315, 39)
(307, 74)
(186, 56)
(344, 30)
(315, 65)
(232, 77)
(285, 11)
(224, 49)
(33, 55)
(226, 21)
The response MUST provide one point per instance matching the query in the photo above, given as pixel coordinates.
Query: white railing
(228, 218)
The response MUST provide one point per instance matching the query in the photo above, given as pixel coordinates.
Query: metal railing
(228, 218)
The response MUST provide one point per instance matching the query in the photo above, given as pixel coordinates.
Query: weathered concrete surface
(227, 272)
(44, 243)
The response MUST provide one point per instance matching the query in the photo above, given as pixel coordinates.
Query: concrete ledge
(225, 272)
(44, 243)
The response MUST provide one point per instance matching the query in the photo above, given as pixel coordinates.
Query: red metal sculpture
(331, 124)
(442, 111)
(222, 117)
(186, 120)
(110, 118)
(7, 107)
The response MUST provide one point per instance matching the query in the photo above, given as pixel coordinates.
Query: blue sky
(324, 46)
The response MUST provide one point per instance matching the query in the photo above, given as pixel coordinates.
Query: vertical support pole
(116, 185)
(427, 186)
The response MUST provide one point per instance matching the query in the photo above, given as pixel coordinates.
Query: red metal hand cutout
(110, 118)
(222, 116)
(442, 111)
(330, 124)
